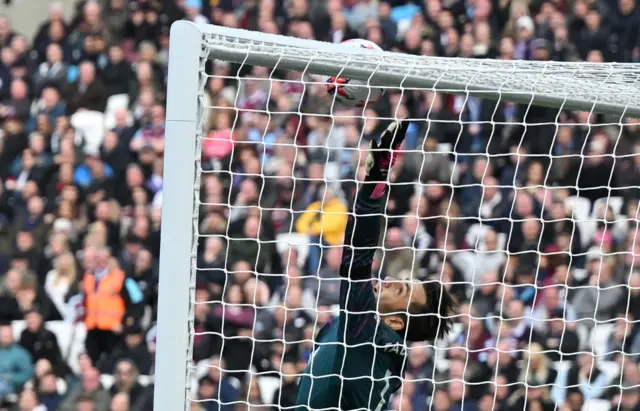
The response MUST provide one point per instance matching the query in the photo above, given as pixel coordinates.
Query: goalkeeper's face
(395, 297)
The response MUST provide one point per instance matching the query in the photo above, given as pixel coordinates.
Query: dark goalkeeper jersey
(358, 360)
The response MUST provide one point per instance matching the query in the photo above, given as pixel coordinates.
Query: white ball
(355, 93)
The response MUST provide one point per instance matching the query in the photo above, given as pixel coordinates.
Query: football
(355, 93)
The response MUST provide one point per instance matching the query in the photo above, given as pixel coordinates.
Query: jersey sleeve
(357, 299)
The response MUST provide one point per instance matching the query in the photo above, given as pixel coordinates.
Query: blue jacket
(15, 365)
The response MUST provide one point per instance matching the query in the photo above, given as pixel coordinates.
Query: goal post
(179, 217)
(611, 89)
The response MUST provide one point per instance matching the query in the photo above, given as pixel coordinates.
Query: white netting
(528, 215)
(612, 87)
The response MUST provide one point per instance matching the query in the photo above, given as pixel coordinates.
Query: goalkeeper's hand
(383, 152)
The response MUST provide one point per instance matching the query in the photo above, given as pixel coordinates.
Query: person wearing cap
(525, 32)
(541, 49)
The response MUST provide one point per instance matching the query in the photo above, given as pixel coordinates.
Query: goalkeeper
(358, 361)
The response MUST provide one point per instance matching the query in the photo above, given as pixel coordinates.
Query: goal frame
(188, 47)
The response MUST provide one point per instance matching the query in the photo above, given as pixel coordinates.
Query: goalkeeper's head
(418, 310)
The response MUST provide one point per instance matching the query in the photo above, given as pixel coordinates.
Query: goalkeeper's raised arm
(360, 355)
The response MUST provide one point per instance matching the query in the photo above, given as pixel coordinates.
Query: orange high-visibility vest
(104, 305)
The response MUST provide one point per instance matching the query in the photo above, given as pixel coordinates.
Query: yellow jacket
(328, 221)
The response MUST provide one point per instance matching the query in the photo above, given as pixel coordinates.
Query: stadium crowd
(533, 228)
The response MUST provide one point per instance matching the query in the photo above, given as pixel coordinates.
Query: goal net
(517, 188)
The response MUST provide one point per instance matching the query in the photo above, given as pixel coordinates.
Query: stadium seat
(477, 232)
(599, 336)
(596, 405)
(91, 125)
(107, 380)
(145, 380)
(299, 242)
(621, 227)
(332, 171)
(580, 274)
(268, 387)
(117, 102)
(445, 147)
(114, 103)
(442, 365)
(587, 232)
(579, 206)
(201, 369)
(614, 202)
(611, 368)
(61, 385)
(583, 336)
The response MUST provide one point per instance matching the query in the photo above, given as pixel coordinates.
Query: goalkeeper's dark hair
(431, 321)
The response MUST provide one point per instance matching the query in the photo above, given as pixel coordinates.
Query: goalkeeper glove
(383, 152)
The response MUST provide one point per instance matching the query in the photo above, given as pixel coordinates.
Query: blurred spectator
(324, 221)
(29, 400)
(325, 288)
(42, 343)
(48, 391)
(126, 381)
(624, 339)
(89, 390)
(538, 370)
(15, 363)
(88, 93)
(584, 376)
(592, 303)
(133, 348)
(217, 385)
(117, 75)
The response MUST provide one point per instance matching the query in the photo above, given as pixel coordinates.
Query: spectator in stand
(17, 107)
(538, 370)
(29, 400)
(88, 93)
(120, 402)
(599, 305)
(15, 363)
(42, 343)
(89, 390)
(63, 277)
(48, 392)
(127, 382)
(624, 339)
(133, 348)
(54, 71)
(324, 222)
(584, 375)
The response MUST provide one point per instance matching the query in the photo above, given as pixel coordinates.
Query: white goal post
(611, 89)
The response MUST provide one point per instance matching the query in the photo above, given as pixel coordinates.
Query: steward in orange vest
(105, 306)
(111, 302)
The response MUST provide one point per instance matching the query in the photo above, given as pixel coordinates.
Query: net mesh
(612, 87)
(527, 215)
